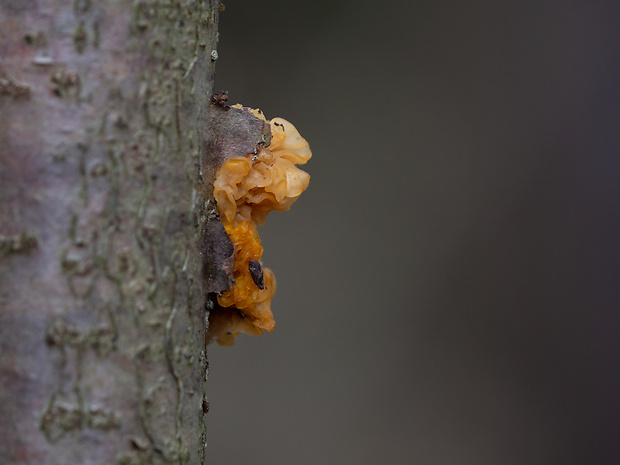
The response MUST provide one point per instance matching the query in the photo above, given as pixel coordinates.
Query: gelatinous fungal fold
(246, 189)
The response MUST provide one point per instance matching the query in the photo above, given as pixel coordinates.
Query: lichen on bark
(103, 118)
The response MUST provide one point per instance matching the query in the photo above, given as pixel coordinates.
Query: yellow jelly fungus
(246, 189)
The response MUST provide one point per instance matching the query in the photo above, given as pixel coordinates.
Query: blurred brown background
(448, 285)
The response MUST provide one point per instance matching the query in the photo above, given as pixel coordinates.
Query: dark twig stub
(256, 271)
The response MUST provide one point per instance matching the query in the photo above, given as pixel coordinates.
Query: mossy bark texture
(104, 124)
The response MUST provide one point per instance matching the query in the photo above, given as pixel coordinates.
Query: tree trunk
(104, 132)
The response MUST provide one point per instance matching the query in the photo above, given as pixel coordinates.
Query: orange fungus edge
(246, 189)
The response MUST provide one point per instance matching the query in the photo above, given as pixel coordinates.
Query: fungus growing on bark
(246, 189)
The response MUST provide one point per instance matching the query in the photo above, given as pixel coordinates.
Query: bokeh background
(448, 286)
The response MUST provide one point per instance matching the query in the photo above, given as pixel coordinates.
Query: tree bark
(104, 178)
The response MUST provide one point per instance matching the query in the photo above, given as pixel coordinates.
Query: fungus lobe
(246, 189)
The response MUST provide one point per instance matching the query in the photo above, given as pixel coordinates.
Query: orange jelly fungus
(246, 189)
